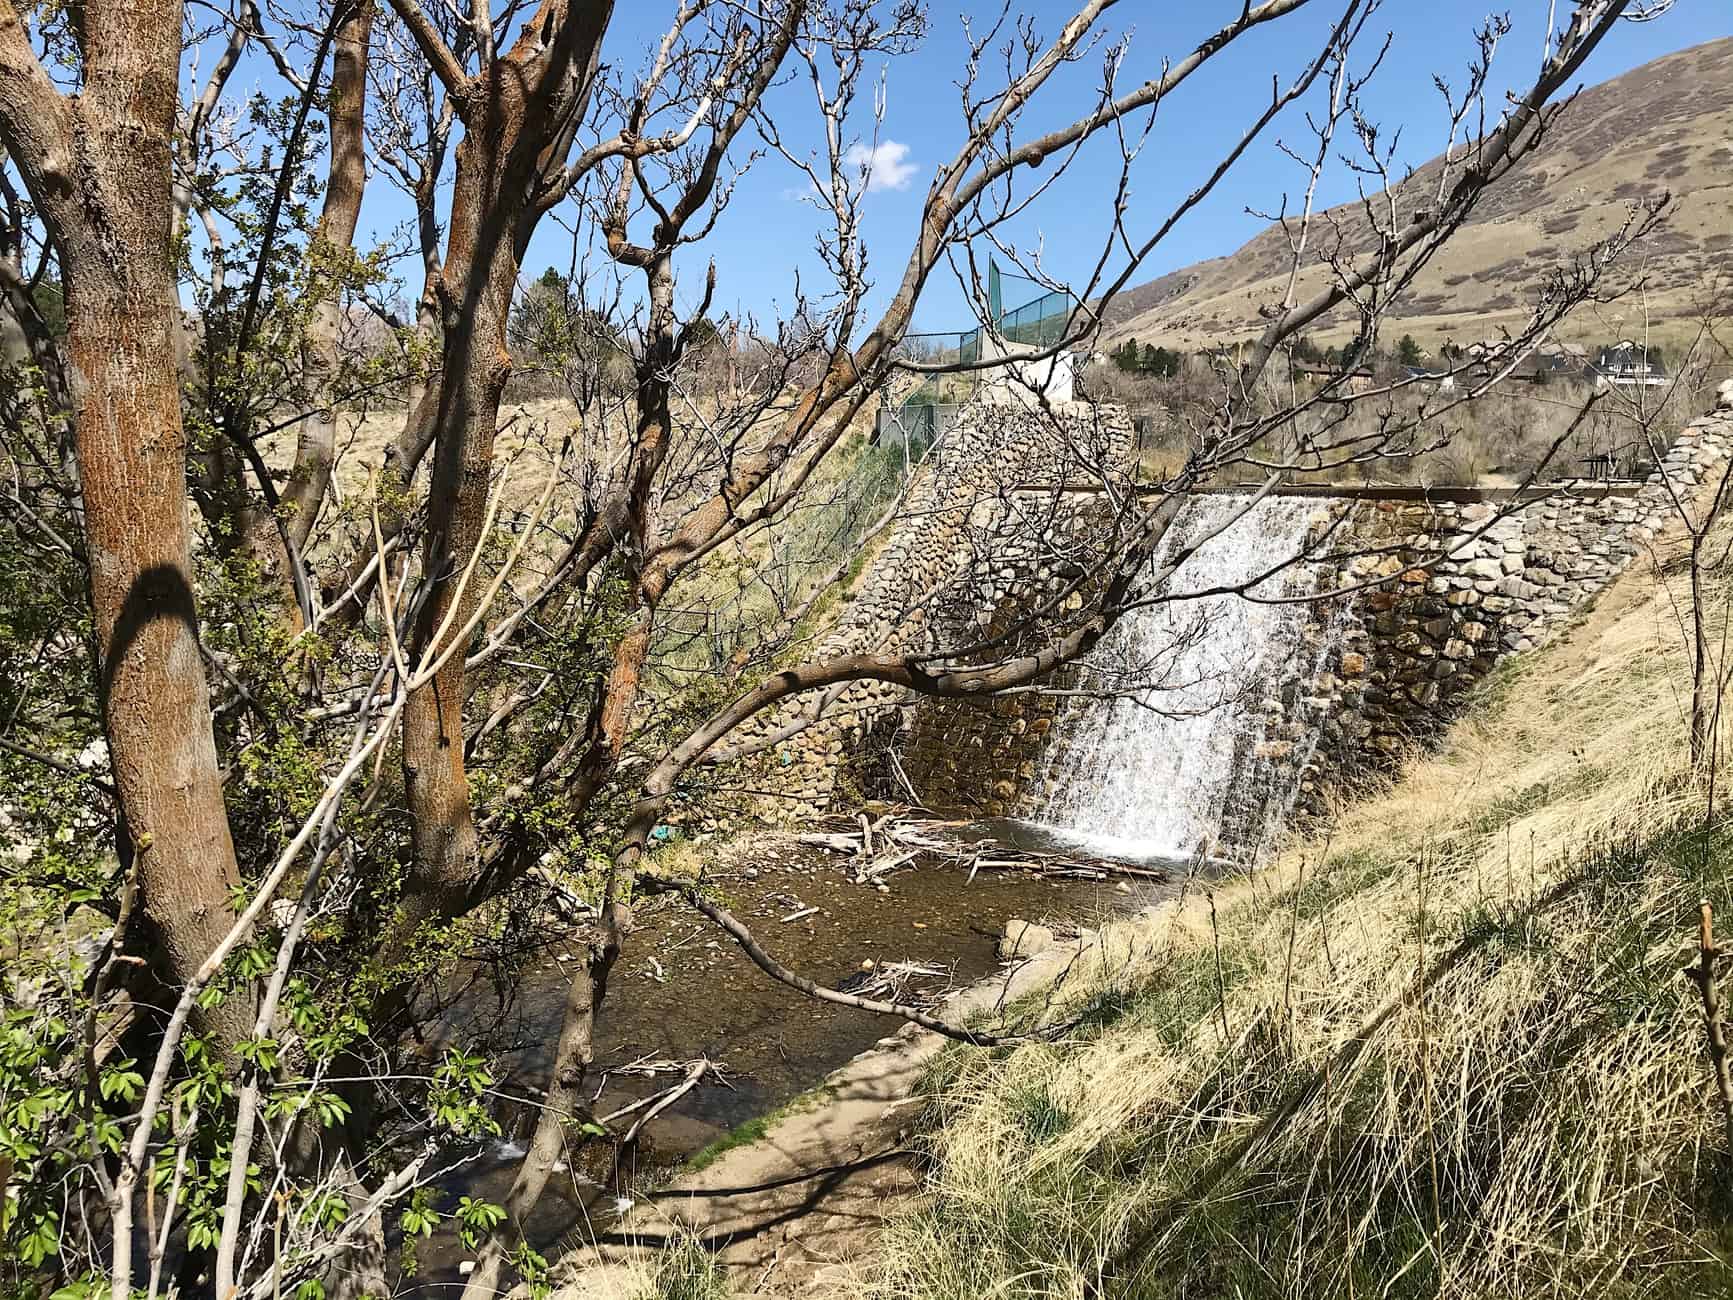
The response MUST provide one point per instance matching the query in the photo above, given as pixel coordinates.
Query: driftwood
(835, 843)
(566, 900)
(901, 839)
(883, 866)
(890, 979)
(694, 1073)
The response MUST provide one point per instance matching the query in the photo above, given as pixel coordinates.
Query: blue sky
(766, 237)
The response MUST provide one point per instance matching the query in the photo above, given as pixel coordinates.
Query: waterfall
(1181, 695)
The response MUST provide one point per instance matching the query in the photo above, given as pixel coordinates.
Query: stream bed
(682, 990)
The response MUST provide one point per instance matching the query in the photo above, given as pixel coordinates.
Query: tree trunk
(316, 445)
(111, 211)
(478, 280)
(515, 114)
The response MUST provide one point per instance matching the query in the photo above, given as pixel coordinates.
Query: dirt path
(812, 1193)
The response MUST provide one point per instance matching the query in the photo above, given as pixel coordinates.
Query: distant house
(1358, 380)
(1547, 362)
(1544, 366)
(1626, 365)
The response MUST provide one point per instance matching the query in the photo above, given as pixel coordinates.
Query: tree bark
(99, 168)
(513, 113)
(473, 378)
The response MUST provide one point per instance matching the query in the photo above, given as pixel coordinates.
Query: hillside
(1666, 127)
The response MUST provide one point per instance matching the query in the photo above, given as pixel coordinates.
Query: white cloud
(885, 165)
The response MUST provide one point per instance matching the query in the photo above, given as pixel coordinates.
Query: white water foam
(1146, 772)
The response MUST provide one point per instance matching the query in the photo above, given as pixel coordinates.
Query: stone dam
(1207, 714)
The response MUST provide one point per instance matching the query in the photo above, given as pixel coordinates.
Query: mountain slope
(1666, 127)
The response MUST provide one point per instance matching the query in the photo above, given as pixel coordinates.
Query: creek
(684, 990)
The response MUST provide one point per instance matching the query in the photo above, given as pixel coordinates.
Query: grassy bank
(1443, 1048)
(1447, 1050)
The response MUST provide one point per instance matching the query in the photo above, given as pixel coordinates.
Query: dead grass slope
(1663, 128)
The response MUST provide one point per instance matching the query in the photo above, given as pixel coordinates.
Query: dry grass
(1659, 129)
(737, 597)
(682, 1271)
(1448, 1053)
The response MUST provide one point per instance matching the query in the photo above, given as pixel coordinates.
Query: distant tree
(1161, 362)
(50, 302)
(551, 329)
(705, 352)
(538, 330)
(1408, 351)
(703, 337)
(1127, 357)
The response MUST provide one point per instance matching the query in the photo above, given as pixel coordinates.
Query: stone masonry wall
(973, 555)
(973, 545)
(1416, 643)
(982, 756)
(1408, 644)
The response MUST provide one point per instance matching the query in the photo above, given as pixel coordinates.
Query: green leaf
(121, 1080)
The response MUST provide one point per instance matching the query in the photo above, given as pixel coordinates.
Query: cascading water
(1176, 693)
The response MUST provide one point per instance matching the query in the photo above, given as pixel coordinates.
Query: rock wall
(1412, 646)
(1413, 635)
(985, 533)
(979, 548)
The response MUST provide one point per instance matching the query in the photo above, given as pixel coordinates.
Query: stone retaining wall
(968, 553)
(1412, 646)
(1413, 636)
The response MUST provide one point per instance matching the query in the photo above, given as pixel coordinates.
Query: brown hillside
(1666, 127)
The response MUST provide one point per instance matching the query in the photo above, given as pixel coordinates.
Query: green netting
(1040, 322)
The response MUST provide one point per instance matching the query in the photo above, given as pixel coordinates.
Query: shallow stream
(683, 989)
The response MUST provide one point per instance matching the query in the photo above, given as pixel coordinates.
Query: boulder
(1023, 939)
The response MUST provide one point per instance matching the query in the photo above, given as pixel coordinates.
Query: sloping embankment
(1447, 1051)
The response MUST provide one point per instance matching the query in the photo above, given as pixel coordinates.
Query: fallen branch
(694, 1073)
(891, 980)
(890, 862)
(913, 836)
(777, 971)
(834, 843)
